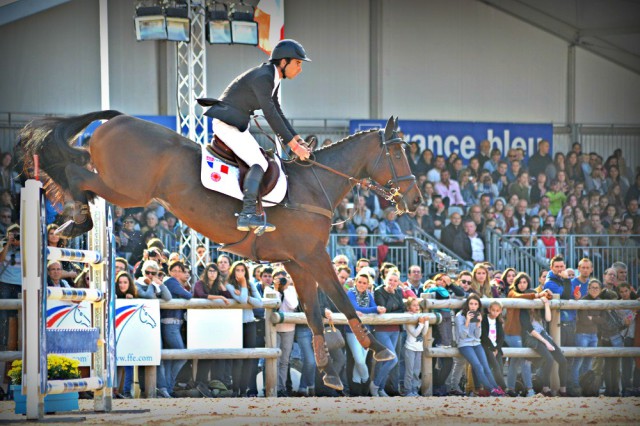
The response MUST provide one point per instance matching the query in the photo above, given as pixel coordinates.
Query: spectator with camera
(10, 285)
(469, 330)
(286, 293)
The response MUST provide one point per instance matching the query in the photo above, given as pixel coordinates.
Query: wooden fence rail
(271, 352)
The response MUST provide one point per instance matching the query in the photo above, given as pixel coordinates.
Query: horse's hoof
(332, 382)
(384, 355)
(76, 229)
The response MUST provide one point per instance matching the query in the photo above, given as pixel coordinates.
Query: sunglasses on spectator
(153, 273)
(594, 288)
(465, 281)
(6, 216)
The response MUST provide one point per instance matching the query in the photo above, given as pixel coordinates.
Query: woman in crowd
(244, 292)
(574, 168)
(389, 297)
(481, 281)
(616, 196)
(535, 337)
(513, 337)
(508, 278)
(126, 289)
(363, 301)
(150, 285)
(468, 331)
(425, 163)
(510, 224)
(538, 189)
(610, 333)
(587, 329)
(210, 286)
(492, 340)
(613, 177)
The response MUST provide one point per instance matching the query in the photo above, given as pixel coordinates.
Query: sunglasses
(594, 288)
(465, 281)
(153, 273)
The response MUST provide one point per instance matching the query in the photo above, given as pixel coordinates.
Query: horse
(130, 162)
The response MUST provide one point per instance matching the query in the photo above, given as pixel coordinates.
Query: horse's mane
(345, 139)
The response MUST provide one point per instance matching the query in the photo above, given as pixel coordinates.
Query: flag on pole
(270, 18)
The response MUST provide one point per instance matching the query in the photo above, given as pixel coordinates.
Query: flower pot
(52, 403)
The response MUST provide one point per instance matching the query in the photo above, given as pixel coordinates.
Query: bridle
(391, 194)
(394, 195)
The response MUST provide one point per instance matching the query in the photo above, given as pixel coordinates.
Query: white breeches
(243, 144)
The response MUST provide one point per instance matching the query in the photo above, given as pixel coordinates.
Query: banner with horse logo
(70, 316)
(138, 340)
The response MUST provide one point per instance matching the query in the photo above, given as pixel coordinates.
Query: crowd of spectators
(537, 201)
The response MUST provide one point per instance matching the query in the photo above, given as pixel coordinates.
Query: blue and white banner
(138, 340)
(464, 137)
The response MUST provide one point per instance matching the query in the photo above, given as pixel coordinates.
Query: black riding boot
(248, 218)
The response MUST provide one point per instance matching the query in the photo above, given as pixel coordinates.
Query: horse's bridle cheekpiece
(394, 195)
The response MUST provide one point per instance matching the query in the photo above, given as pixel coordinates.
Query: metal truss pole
(191, 122)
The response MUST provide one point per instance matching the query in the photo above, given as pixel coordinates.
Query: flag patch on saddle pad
(222, 177)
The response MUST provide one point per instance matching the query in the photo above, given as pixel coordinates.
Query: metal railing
(532, 257)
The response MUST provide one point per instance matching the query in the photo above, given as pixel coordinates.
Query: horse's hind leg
(328, 282)
(81, 182)
(308, 296)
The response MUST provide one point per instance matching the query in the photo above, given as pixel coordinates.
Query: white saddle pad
(220, 176)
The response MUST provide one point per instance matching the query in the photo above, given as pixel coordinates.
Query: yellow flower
(58, 368)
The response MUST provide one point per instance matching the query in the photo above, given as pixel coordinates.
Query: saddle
(219, 149)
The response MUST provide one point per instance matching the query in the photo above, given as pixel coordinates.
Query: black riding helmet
(287, 49)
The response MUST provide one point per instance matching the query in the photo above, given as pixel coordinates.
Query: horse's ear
(395, 124)
(388, 129)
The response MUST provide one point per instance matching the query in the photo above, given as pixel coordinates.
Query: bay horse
(130, 162)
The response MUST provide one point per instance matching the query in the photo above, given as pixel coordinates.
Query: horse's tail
(50, 139)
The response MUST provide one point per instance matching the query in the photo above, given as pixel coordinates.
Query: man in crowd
(470, 245)
(452, 230)
(449, 189)
(559, 283)
(54, 275)
(585, 269)
(541, 159)
(414, 279)
(521, 216)
(484, 155)
(439, 165)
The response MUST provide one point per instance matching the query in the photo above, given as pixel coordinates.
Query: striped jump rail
(74, 255)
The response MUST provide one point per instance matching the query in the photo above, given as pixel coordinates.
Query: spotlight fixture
(244, 30)
(158, 23)
(150, 23)
(218, 24)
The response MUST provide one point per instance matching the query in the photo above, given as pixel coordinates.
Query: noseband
(394, 195)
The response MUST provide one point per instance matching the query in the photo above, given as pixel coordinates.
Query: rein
(388, 194)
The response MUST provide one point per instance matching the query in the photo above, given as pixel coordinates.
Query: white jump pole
(31, 224)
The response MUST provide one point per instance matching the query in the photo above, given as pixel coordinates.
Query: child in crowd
(492, 339)
(413, 348)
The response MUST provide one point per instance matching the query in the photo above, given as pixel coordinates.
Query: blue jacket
(177, 292)
(564, 288)
(371, 309)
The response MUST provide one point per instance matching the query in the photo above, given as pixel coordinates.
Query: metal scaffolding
(191, 122)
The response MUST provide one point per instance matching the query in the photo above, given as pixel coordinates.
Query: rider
(258, 88)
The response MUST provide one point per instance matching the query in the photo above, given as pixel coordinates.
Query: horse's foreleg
(332, 287)
(82, 182)
(308, 297)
